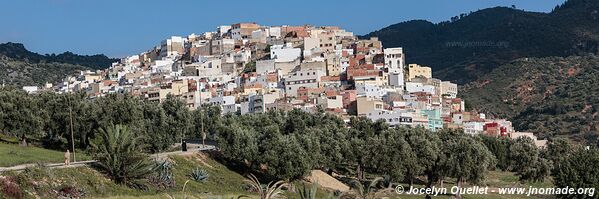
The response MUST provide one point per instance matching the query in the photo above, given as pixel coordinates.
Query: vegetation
(19, 52)
(526, 160)
(277, 145)
(117, 151)
(162, 178)
(305, 193)
(20, 67)
(44, 119)
(579, 171)
(13, 154)
(468, 46)
(366, 190)
(249, 67)
(199, 175)
(554, 97)
(272, 190)
(85, 181)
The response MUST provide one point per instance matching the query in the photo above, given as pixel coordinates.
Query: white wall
(370, 90)
(419, 87)
(284, 54)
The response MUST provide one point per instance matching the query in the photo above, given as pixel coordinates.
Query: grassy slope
(12, 154)
(222, 182)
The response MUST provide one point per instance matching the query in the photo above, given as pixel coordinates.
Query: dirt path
(89, 162)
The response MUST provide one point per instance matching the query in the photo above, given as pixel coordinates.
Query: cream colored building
(415, 70)
(330, 102)
(366, 105)
(179, 87)
(449, 89)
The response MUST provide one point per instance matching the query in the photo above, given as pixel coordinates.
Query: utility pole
(186, 121)
(71, 124)
(203, 134)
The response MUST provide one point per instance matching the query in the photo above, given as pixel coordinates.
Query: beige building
(415, 70)
(449, 89)
(243, 30)
(367, 104)
(330, 102)
(327, 41)
(179, 87)
(172, 46)
(313, 65)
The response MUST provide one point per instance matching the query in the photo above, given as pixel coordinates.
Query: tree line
(45, 118)
(287, 145)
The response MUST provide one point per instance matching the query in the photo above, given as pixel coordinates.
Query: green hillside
(21, 67)
(471, 45)
(550, 96)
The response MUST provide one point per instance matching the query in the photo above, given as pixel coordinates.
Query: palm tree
(118, 154)
(271, 191)
(366, 190)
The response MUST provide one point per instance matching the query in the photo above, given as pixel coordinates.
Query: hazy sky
(123, 27)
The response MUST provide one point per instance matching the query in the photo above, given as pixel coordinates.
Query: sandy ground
(325, 180)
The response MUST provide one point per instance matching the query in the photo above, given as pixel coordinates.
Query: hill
(551, 96)
(86, 182)
(18, 51)
(21, 67)
(471, 45)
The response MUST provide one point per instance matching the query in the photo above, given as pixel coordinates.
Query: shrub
(71, 192)
(11, 189)
(199, 175)
(163, 176)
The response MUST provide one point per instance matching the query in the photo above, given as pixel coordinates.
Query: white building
(413, 87)
(221, 30)
(474, 127)
(393, 118)
(30, 89)
(275, 32)
(302, 79)
(162, 66)
(208, 67)
(172, 47)
(284, 53)
(370, 90)
(395, 63)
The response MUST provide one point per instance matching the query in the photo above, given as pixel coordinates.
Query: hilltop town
(249, 68)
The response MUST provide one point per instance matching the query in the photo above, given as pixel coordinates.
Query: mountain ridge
(21, 67)
(467, 47)
(18, 51)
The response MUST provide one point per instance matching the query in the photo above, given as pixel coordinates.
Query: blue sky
(123, 27)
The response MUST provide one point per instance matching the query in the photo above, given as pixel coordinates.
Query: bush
(10, 188)
(163, 176)
(71, 192)
(199, 175)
